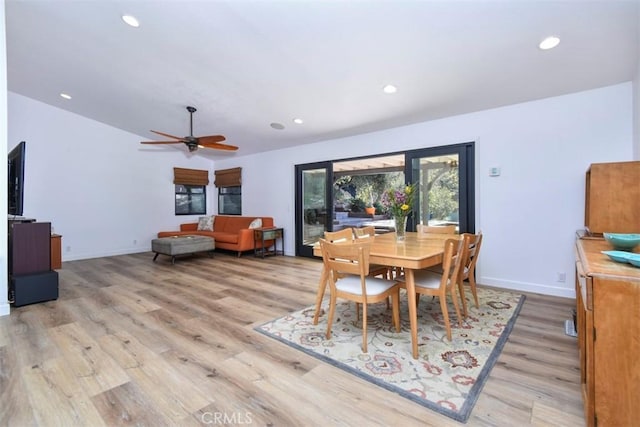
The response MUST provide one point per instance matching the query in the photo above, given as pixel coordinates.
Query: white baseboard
(125, 251)
(535, 288)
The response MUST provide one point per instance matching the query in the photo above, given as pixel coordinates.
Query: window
(191, 199)
(229, 183)
(230, 200)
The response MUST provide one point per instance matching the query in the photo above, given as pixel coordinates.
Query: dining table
(415, 252)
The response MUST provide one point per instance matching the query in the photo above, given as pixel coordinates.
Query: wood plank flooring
(133, 342)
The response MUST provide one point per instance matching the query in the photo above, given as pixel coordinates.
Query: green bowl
(623, 242)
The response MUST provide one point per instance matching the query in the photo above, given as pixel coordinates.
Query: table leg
(322, 285)
(413, 310)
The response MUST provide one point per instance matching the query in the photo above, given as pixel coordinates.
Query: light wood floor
(133, 342)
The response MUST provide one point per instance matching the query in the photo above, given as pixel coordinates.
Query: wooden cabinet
(31, 279)
(608, 324)
(56, 252)
(29, 248)
(612, 198)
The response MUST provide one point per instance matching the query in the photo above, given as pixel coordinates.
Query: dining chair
(473, 242)
(348, 266)
(442, 284)
(435, 229)
(469, 270)
(374, 269)
(344, 235)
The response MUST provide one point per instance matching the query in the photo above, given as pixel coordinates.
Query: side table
(56, 251)
(261, 235)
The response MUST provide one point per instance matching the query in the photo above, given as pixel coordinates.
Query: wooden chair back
(344, 235)
(346, 258)
(435, 229)
(474, 252)
(469, 268)
(453, 261)
(366, 231)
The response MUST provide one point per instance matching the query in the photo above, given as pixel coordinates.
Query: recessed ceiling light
(298, 121)
(549, 43)
(65, 96)
(131, 20)
(390, 89)
(278, 126)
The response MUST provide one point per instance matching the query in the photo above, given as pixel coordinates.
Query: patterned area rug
(447, 377)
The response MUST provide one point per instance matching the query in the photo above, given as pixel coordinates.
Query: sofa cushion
(256, 223)
(205, 223)
(223, 237)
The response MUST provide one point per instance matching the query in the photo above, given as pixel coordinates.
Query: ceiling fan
(193, 142)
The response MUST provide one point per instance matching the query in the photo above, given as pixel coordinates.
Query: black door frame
(466, 156)
(466, 180)
(301, 248)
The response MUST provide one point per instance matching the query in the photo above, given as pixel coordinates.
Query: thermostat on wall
(494, 171)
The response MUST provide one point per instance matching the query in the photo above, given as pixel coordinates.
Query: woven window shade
(190, 176)
(228, 177)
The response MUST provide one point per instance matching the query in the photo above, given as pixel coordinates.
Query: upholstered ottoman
(182, 245)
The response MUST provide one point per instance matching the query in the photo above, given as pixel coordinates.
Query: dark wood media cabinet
(31, 278)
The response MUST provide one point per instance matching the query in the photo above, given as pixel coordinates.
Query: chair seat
(424, 279)
(375, 286)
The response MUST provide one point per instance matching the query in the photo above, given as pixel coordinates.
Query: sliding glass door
(329, 194)
(446, 186)
(313, 205)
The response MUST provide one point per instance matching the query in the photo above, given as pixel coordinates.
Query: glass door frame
(466, 180)
(466, 156)
(301, 248)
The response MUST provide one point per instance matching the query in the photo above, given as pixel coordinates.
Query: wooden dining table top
(415, 252)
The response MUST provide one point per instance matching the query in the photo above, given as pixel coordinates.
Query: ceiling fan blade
(167, 135)
(210, 141)
(218, 146)
(204, 140)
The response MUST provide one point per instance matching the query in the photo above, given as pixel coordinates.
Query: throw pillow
(205, 223)
(256, 223)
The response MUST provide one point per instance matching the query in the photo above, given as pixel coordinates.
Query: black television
(16, 179)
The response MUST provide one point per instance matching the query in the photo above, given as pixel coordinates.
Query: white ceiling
(247, 64)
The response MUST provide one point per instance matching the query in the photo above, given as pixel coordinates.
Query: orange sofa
(230, 232)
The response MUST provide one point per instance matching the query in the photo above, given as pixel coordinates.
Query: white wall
(4, 300)
(100, 189)
(636, 102)
(529, 214)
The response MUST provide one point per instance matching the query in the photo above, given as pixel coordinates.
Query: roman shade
(190, 176)
(228, 177)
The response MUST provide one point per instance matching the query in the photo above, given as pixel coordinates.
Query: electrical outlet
(135, 242)
(68, 248)
(562, 277)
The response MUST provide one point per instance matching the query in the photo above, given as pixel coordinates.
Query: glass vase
(400, 223)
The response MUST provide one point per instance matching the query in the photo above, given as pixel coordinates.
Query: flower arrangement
(399, 202)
